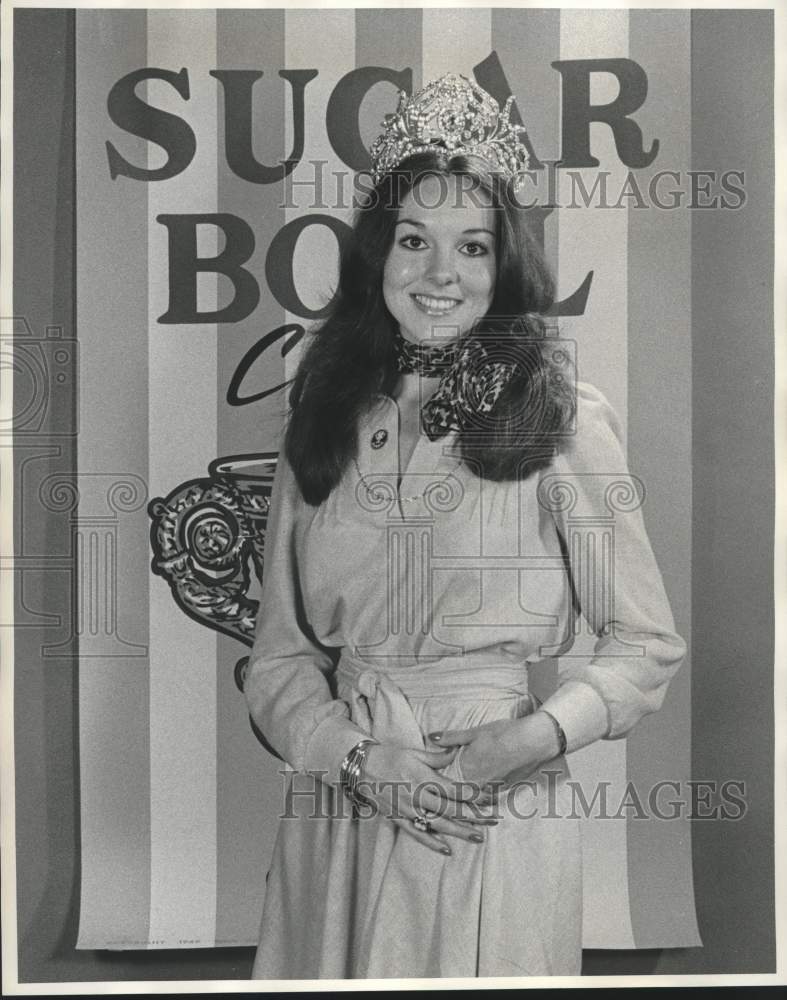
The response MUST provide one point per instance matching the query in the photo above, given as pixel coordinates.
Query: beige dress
(398, 612)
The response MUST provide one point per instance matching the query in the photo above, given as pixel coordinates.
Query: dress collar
(378, 446)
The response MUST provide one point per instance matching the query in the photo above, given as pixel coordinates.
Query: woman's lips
(435, 305)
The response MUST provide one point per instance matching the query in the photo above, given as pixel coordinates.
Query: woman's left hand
(495, 753)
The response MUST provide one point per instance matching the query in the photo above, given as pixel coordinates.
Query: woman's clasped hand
(497, 754)
(406, 785)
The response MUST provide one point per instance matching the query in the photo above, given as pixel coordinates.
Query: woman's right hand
(402, 782)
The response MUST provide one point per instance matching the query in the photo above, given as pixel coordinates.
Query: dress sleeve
(595, 503)
(287, 682)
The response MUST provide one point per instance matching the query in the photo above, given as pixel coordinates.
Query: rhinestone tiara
(454, 114)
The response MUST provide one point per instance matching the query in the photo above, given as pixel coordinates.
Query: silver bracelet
(561, 736)
(350, 773)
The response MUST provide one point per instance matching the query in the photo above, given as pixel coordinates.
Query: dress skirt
(350, 898)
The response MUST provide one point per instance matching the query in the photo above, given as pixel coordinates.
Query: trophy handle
(206, 537)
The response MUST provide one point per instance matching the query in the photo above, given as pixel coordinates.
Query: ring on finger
(420, 822)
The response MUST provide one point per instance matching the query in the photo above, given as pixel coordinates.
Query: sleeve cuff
(581, 711)
(329, 744)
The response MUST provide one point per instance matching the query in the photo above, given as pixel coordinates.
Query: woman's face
(439, 276)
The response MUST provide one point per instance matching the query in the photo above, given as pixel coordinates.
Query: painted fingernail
(436, 737)
(446, 850)
(477, 838)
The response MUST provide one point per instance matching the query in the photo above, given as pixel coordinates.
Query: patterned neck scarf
(470, 381)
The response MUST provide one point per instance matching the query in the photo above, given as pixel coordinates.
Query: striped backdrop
(179, 803)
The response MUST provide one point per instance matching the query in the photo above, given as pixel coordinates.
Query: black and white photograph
(393, 568)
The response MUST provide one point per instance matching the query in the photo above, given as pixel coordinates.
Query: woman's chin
(438, 331)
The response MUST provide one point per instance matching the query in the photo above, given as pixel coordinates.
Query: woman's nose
(442, 269)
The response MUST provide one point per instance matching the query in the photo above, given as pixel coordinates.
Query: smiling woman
(417, 565)
(442, 263)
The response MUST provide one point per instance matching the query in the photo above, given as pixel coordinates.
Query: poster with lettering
(181, 185)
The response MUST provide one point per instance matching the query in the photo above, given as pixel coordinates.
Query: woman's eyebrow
(465, 232)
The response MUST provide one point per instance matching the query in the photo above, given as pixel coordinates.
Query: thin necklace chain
(377, 495)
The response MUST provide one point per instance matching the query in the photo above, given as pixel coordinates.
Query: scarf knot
(472, 376)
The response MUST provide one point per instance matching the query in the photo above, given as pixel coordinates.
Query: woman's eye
(412, 242)
(475, 249)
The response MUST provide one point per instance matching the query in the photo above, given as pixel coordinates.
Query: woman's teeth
(435, 306)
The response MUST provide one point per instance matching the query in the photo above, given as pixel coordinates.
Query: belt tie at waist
(378, 697)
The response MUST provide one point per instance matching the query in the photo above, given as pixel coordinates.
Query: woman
(420, 562)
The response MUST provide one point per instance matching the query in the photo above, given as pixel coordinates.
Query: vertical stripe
(596, 238)
(39, 795)
(453, 41)
(182, 408)
(333, 57)
(527, 42)
(732, 541)
(390, 38)
(248, 787)
(659, 381)
(111, 269)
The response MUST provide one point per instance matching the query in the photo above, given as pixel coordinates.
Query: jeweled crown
(455, 114)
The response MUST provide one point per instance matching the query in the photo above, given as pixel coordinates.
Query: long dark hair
(351, 356)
